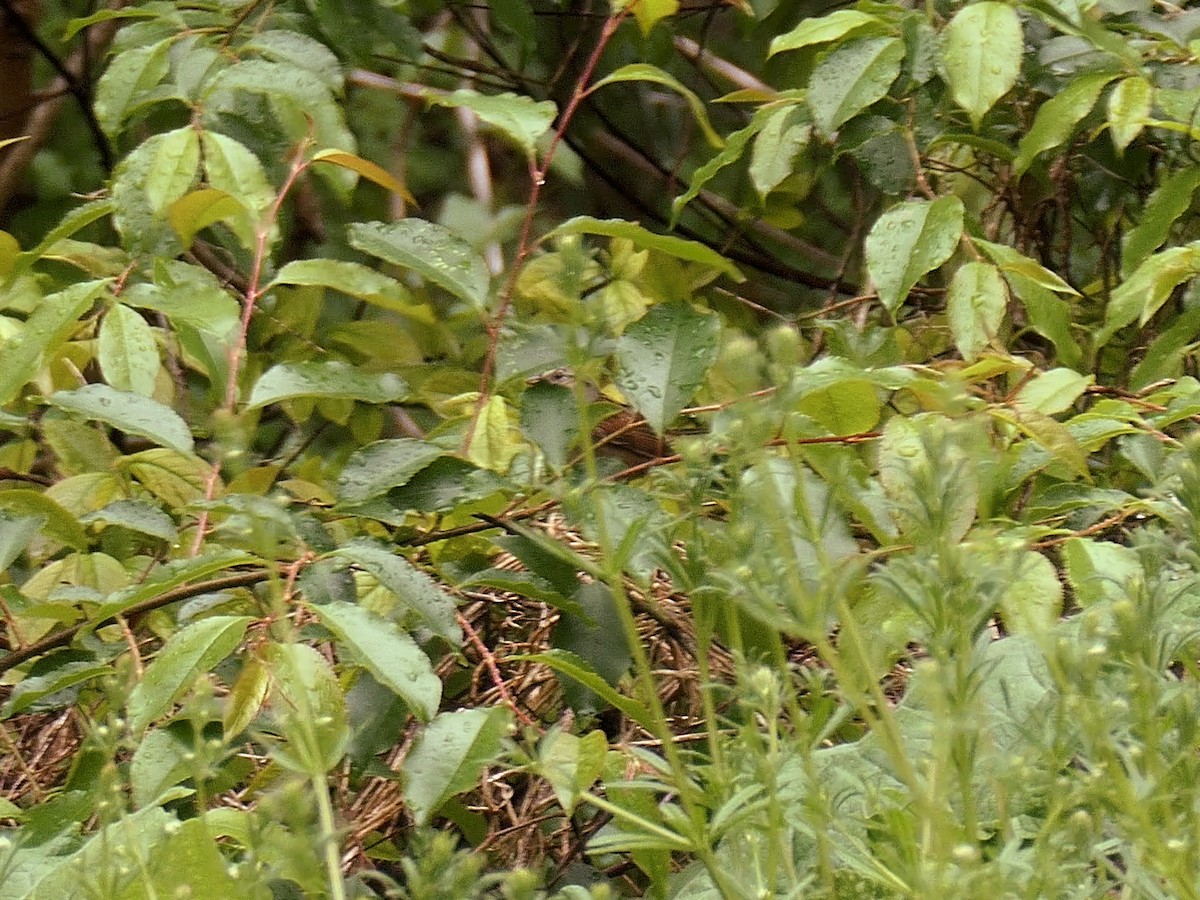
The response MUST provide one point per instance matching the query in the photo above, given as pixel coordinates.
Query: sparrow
(623, 435)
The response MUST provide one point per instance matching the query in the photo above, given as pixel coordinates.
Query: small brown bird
(624, 435)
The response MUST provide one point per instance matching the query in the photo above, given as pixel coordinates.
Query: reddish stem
(537, 177)
(254, 291)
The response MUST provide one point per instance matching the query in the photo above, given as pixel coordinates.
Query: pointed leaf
(127, 351)
(56, 522)
(1166, 206)
(52, 322)
(1128, 109)
(188, 654)
(449, 757)
(982, 48)
(647, 72)
(329, 379)
(412, 587)
(1014, 262)
(390, 655)
(1057, 117)
(822, 30)
(377, 468)
(976, 305)
(680, 248)
(572, 666)
(366, 169)
(128, 413)
(910, 240)
(1142, 293)
(356, 280)
(434, 252)
(663, 357)
(197, 210)
(851, 78)
(520, 118)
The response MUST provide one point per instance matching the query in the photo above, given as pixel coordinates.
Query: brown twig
(254, 291)
(489, 661)
(186, 592)
(537, 175)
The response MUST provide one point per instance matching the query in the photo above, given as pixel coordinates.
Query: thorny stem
(537, 176)
(253, 293)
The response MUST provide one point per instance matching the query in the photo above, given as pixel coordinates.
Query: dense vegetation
(529, 449)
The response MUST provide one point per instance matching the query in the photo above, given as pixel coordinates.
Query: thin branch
(186, 592)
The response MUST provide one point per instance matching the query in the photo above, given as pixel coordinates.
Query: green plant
(317, 584)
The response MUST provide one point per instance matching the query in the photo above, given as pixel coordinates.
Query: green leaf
(982, 48)
(171, 169)
(230, 167)
(680, 248)
(1128, 109)
(649, 12)
(128, 413)
(520, 118)
(1057, 117)
(433, 252)
(310, 709)
(246, 697)
(821, 30)
(976, 305)
(377, 468)
(1033, 601)
(301, 102)
(17, 531)
(327, 379)
(136, 515)
(851, 78)
(391, 656)
(301, 51)
(735, 146)
(1166, 206)
(1052, 392)
(131, 75)
(663, 357)
(167, 576)
(573, 667)
(412, 587)
(26, 694)
(910, 240)
(355, 280)
(188, 295)
(849, 407)
(197, 210)
(1014, 262)
(164, 757)
(786, 132)
(549, 419)
(187, 654)
(1049, 316)
(176, 479)
(1101, 571)
(127, 351)
(52, 322)
(571, 764)
(58, 523)
(655, 75)
(495, 437)
(1140, 295)
(449, 756)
